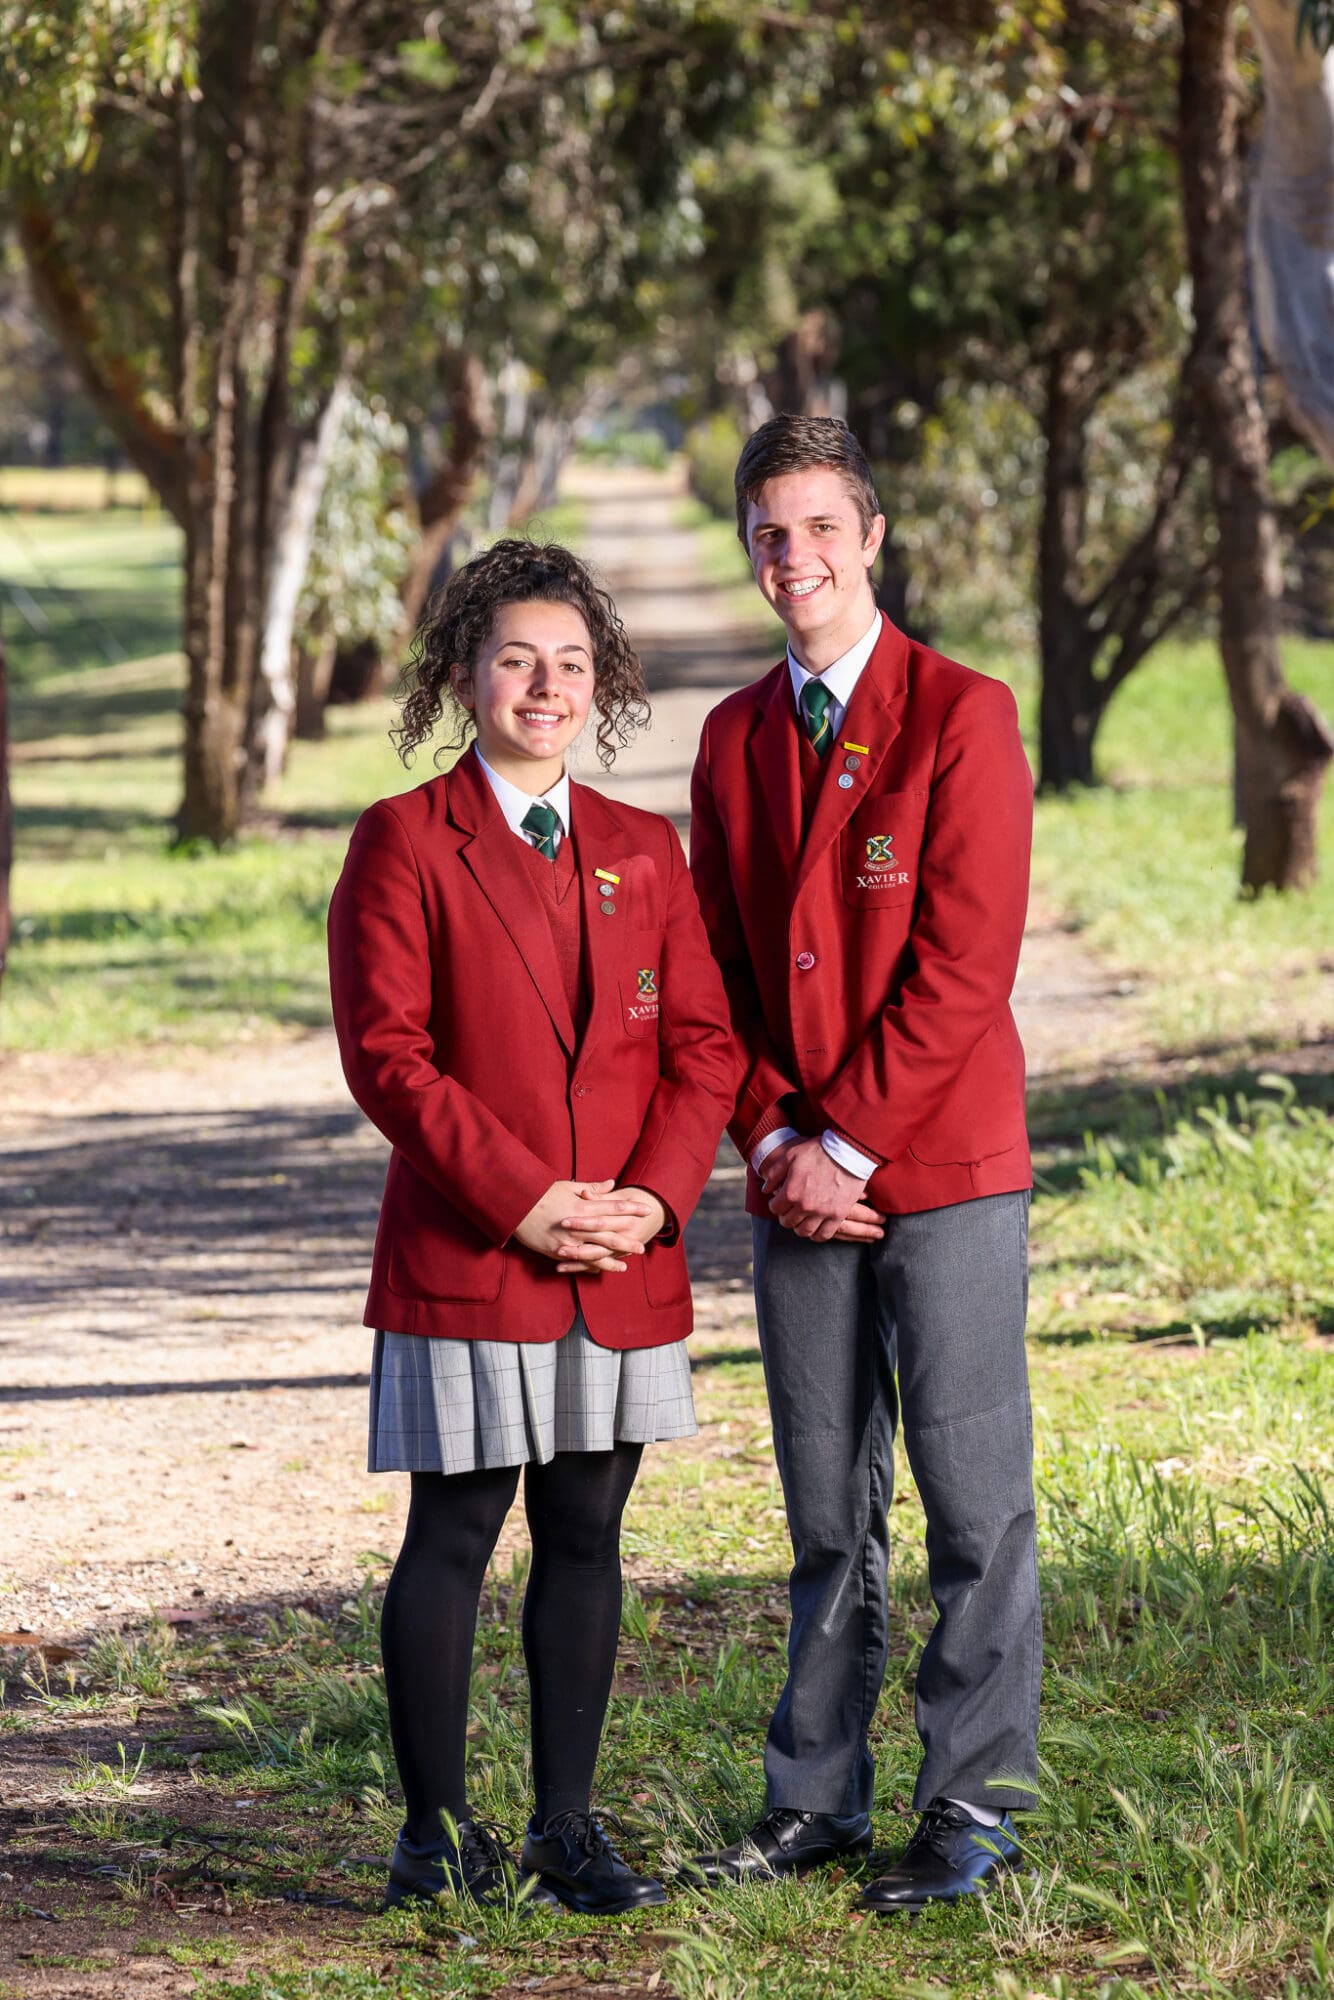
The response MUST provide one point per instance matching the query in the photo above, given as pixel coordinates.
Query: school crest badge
(648, 983)
(880, 851)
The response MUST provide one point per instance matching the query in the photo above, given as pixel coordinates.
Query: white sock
(984, 1815)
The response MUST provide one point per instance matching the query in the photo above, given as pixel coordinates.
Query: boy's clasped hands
(588, 1226)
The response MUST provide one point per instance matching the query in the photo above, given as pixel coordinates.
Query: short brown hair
(458, 623)
(800, 444)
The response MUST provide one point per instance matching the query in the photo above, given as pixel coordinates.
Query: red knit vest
(814, 769)
(558, 887)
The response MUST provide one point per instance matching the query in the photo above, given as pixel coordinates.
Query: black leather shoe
(949, 1856)
(574, 1860)
(785, 1842)
(477, 1867)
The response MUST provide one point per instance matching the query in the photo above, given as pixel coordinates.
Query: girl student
(527, 1008)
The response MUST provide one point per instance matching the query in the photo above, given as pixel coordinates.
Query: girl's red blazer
(869, 961)
(457, 1042)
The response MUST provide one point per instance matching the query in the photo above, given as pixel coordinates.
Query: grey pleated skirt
(457, 1405)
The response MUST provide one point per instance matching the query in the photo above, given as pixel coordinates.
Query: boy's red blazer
(457, 1042)
(869, 966)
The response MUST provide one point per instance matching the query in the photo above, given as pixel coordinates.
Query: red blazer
(869, 965)
(457, 1042)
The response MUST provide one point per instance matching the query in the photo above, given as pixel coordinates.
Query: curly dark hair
(458, 622)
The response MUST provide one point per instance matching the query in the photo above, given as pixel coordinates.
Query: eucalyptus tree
(1007, 219)
(1283, 744)
(280, 192)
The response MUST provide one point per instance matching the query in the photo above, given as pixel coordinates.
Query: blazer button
(580, 1090)
(805, 960)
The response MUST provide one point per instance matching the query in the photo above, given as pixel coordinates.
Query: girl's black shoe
(572, 1857)
(476, 1866)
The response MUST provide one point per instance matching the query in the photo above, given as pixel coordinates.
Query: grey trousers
(930, 1319)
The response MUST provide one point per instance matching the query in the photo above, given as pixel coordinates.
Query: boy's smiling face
(529, 691)
(812, 561)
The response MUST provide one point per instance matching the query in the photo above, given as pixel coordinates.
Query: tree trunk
(275, 693)
(1283, 746)
(450, 486)
(314, 677)
(801, 380)
(222, 560)
(549, 445)
(6, 816)
(890, 445)
(1071, 701)
(357, 674)
(514, 383)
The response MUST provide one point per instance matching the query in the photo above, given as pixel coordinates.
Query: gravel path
(185, 1237)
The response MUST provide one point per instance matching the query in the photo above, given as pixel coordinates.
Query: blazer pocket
(666, 1276)
(880, 848)
(434, 1252)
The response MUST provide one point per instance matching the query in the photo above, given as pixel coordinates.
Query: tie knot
(541, 822)
(815, 703)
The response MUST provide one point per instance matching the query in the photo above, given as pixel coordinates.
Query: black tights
(571, 1621)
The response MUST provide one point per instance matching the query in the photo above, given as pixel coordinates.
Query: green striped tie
(542, 822)
(816, 701)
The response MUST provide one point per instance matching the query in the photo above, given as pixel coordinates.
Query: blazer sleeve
(972, 899)
(692, 1100)
(380, 979)
(764, 1081)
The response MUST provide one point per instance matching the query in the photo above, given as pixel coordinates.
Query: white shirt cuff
(768, 1143)
(846, 1156)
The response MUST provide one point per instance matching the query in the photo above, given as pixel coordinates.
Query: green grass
(1184, 1844)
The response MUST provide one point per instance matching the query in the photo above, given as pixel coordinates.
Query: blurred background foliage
(392, 266)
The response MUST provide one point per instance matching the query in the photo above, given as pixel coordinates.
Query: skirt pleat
(460, 1405)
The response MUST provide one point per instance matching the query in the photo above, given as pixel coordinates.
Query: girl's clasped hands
(592, 1226)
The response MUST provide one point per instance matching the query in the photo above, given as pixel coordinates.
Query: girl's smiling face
(529, 691)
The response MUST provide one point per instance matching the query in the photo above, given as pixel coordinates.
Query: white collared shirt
(840, 679)
(514, 803)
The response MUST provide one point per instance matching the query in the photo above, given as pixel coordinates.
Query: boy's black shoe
(785, 1842)
(573, 1858)
(950, 1855)
(476, 1867)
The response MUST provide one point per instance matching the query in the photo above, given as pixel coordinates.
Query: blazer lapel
(774, 754)
(873, 720)
(492, 854)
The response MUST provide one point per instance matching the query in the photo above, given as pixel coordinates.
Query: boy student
(861, 832)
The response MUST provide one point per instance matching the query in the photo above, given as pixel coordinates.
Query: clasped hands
(588, 1226)
(810, 1194)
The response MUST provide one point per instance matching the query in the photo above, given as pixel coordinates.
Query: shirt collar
(514, 803)
(842, 677)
